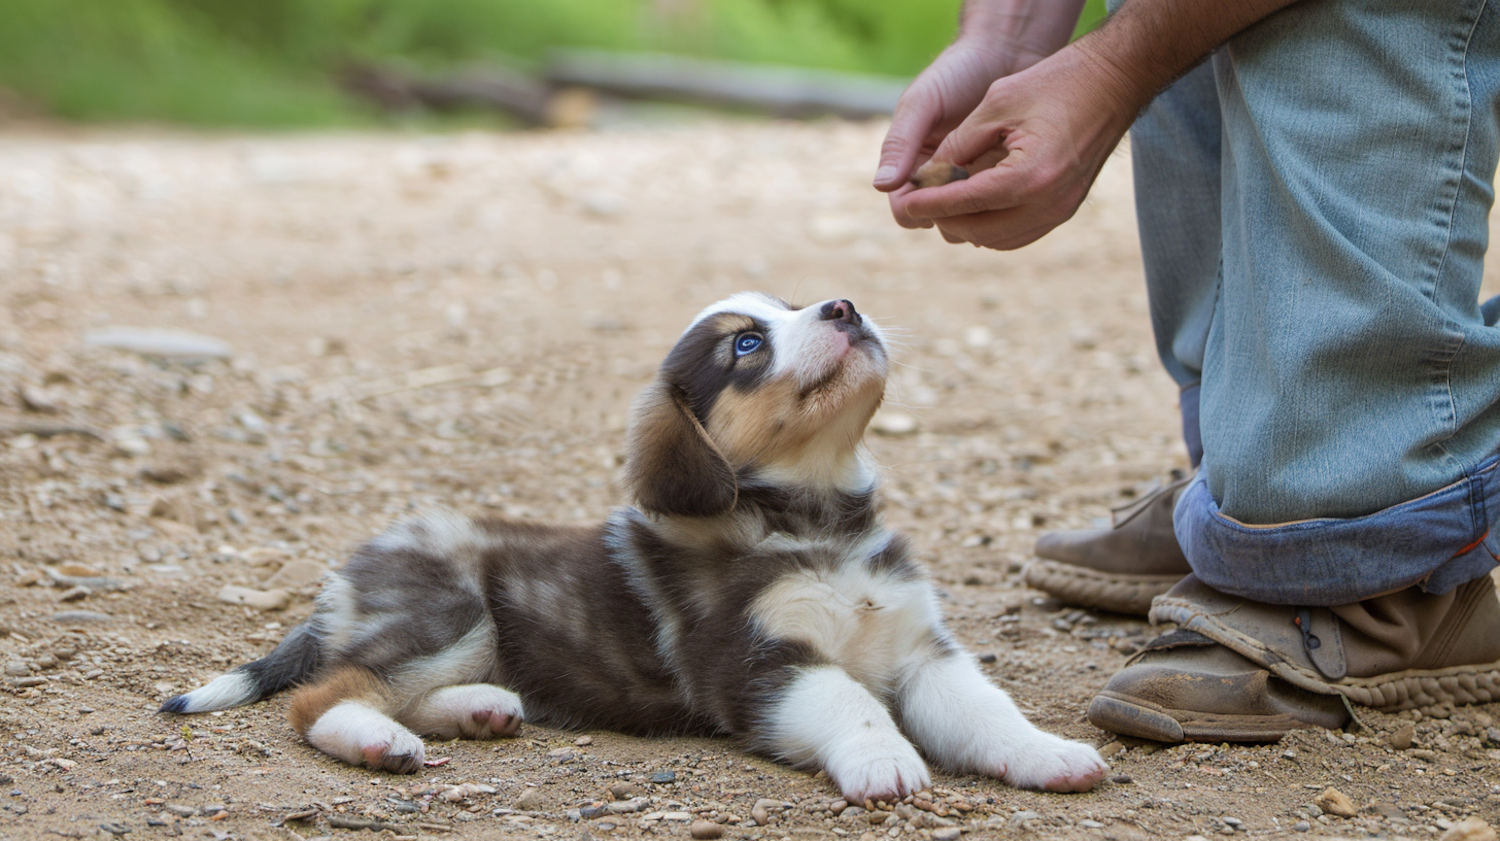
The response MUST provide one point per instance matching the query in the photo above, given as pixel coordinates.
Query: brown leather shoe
(1119, 568)
(1238, 670)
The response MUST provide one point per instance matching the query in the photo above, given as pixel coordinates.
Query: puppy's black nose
(840, 310)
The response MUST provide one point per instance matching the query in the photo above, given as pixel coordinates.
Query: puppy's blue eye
(747, 343)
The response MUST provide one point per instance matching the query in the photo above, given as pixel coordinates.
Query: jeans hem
(1436, 542)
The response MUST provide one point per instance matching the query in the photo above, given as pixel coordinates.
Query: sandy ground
(463, 319)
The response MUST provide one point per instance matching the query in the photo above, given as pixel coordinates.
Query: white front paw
(1052, 763)
(882, 767)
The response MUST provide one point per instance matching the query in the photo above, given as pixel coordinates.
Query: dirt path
(463, 319)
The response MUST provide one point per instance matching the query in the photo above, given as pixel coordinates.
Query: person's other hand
(1052, 126)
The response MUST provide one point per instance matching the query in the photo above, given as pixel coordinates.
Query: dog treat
(938, 173)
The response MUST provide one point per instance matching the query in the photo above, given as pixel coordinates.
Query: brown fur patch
(763, 426)
(775, 424)
(673, 467)
(346, 683)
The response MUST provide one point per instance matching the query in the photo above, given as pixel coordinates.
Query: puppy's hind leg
(968, 725)
(469, 711)
(344, 714)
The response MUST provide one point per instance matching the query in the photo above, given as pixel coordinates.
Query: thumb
(910, 126)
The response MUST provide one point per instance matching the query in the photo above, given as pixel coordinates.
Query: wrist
(1017, 27)
(1118, 74)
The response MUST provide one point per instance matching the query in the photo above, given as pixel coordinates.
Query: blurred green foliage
(273, 62)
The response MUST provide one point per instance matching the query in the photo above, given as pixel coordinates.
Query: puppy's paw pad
(1056, 765)
(401, 753)
(492, 724)
(487, 712)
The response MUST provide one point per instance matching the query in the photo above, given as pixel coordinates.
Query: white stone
(150, 341)
(258, 599)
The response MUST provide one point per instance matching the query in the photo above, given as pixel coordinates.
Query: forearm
(1038, 27)
(1148, 44)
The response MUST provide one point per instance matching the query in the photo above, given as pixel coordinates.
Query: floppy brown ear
(672, 467)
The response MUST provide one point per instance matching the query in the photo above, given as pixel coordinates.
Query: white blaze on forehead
(756, 305)
(801, 343)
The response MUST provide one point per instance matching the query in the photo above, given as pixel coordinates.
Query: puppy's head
(758, 387)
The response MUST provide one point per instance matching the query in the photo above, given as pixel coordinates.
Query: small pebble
(530, 799)
(1472, 828)
(705, 829)
(75, 594)
(1301, 826)
(170, 344)
(624, 791)
(80, 617)
(663, 777)
(295, 574)
(1088, 824)
(583, 741)
(257, 599)
(947, 833)
(1336, 803)
(1401, 739)
(894, 423)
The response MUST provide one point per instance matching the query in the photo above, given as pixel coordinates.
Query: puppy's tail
(294, 660)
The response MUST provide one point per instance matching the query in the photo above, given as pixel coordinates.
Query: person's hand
(1052, 126)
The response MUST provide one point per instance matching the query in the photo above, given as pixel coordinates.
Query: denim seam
(1461, 75)
(1445, 364)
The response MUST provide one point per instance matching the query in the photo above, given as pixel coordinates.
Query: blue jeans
(1314, 212)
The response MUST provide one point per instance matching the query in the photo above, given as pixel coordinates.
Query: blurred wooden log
(527, 99)
(783, 91)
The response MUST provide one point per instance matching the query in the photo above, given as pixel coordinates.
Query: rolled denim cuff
(1437, 542)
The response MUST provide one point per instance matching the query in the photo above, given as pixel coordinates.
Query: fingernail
(885, 173)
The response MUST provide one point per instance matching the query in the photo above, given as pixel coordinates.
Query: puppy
(750, 591)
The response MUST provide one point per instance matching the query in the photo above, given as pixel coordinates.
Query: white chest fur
(872, 624)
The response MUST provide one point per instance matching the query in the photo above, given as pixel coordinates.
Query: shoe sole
(1084, 587)
(1144, 720)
